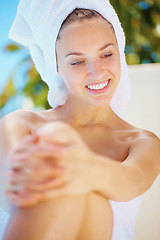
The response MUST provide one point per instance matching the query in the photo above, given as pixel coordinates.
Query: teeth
(98, 86)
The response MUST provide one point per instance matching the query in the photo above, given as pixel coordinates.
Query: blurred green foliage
(34, 90)
(141, 23)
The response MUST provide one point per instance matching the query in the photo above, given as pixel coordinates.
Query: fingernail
(9, 175)
(54, 182)
(35, 138)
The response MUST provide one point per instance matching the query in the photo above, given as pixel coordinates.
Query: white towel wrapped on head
(36, 26)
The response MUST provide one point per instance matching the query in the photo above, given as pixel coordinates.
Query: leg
(87, 217)
(98, 219)
(57, 219)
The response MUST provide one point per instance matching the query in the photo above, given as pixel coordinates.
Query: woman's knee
(59, 218)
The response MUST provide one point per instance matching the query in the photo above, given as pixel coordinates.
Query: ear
(57, 64)
(57, 68)
(58, 71)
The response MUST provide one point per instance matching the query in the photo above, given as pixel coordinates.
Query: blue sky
(8, 61)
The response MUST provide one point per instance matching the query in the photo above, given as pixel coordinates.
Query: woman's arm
(25, 161)
(45, 220)
(87, 171)
(127, 180)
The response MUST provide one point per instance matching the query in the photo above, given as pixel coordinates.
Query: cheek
(115, 67)
(118, 71)
(71, 76)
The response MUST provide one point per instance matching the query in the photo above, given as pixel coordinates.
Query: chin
(101, 103)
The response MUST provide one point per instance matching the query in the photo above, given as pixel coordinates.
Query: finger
(45, 153)
(46, 185)
(32, 138)
(36, 186)
(35, 174)
(40, 173)
(25, 198)
(25, 143)
(16, 160)
(49, 152)
(26, 160)
(22, 200)
(14, 187)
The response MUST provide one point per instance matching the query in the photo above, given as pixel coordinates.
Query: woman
(76, 171)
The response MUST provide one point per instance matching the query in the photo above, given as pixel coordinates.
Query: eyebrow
(105, 46)
(80, 54)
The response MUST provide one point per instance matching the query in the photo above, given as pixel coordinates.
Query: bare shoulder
(23, 122)
(143, 147)
(145, 150)
(15, 126)
(18, 121)
(145, 137)
(137, 135)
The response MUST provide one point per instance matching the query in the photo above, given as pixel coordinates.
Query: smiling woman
(89, 68)
(79, 161)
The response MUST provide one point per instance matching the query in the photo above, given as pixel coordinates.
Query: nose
(95, 70)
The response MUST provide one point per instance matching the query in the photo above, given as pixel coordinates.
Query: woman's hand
(30, 168)
(52, 163)
(77, 159)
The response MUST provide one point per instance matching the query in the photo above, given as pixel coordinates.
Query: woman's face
(88, 61)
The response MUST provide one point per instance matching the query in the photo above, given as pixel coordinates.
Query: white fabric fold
(36, 26)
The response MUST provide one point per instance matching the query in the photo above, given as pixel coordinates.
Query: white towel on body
(124, 218)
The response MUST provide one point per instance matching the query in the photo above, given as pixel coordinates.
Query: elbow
(136, 185)
(132, 185)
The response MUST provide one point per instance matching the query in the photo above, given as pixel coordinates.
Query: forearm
(116, 181)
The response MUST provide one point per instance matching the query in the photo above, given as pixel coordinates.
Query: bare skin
(86, 154)
(93, 208)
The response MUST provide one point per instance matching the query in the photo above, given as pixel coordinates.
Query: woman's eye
(107, 55)
(77, 63)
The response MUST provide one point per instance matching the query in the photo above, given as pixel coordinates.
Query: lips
(98, 87)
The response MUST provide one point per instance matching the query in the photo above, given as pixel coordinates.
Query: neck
(82, 114)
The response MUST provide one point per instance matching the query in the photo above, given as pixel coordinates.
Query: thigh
(59, 219)
(98, 219)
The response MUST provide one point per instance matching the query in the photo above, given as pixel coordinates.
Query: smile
(97, 86)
